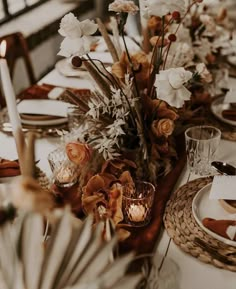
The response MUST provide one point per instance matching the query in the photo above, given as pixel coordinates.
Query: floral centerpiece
(127, 129)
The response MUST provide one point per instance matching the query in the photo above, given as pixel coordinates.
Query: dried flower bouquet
(129, 120)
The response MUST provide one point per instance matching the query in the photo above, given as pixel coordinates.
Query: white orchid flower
(170, 86)
(78, 39)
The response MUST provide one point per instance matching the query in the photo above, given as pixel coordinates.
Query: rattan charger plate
(182, 227)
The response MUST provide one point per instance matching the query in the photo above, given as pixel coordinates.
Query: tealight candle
(137, 203)
(137, 213)
(65, 175)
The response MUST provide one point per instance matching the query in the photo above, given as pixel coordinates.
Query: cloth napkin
(9, 168)
(229, 114)
(221, 227)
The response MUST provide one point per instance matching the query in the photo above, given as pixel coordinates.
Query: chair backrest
(17, 48)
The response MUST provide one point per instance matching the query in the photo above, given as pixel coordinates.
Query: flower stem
(162, 43)
(99, 70)
(102, 84)
(186, 13)
(139, 121)
(159, 59)
(167, 52)
(130, 63)
(117, 84)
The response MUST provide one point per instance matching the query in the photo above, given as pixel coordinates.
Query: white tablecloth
(186, 271)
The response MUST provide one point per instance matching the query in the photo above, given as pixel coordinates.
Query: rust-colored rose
(162, 127)
(78, 153)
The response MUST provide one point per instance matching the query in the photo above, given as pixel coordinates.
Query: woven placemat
(182, 227)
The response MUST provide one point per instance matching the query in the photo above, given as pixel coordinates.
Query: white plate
(218, 106)
(232, 59)
(65, 68)
(203, 207)
(46, 107)
(57, 121)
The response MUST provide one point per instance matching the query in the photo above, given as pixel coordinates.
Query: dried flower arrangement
(129, 121)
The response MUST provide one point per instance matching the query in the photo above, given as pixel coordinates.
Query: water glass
(201, 146)
(65, 173)
(137, 203)
(74, 116)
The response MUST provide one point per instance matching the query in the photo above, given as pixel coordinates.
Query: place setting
(224, 108)
(200, 216)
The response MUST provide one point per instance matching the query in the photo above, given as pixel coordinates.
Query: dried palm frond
(75, 256)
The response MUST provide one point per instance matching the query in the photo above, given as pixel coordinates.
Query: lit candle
(66, 175)
(8, 90)
(136, 213)
(11, 104)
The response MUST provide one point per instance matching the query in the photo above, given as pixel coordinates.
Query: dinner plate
(231, 59)
(218, 106)
(43, 112)
(203, 207)
(64, 67)
(48, 122)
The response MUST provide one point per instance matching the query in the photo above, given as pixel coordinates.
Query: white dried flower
(123, 6)
(209, 24)
(77, 35)
(203, 47)
(162, 7)
(105, 146)
(115, 129)
(170, 86)
(205, 74)
(180, 54)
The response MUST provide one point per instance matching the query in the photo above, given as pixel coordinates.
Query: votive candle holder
(137, 202)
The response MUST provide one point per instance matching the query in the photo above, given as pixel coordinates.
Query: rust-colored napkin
(41, 92)
(229, 114)
(219, 226)
(9, 168)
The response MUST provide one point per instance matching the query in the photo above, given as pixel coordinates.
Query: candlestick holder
(65, 173)
(137, 203)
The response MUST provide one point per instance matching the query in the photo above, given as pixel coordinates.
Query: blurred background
(38, 21)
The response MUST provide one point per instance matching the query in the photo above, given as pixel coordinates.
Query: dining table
(176, 269)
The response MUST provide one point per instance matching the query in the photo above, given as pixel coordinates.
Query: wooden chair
(17, 48)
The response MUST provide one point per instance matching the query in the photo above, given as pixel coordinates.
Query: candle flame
(3, 48)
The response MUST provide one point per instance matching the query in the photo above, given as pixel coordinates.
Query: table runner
(143, 240)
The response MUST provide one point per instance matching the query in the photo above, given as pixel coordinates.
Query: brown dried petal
(126, 178)
(90, 202)
(118, 70)
(95, 184)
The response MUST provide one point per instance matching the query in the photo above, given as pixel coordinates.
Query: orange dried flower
(140, 63)
(162, 127)
(78, 153)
